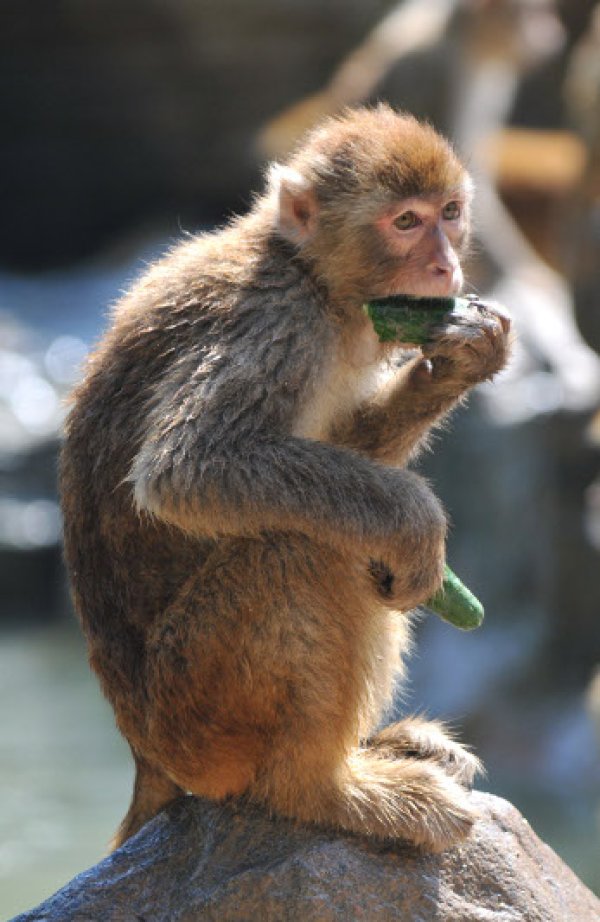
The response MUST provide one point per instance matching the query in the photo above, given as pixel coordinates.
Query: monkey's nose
(447, 279)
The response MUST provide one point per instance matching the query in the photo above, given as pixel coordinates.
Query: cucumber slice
(408, 319)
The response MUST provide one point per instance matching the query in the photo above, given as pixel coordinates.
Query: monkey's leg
(152, 791)
(417, 738)
(270, 636)
(263, 676)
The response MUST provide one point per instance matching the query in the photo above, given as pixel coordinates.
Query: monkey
(245, 540)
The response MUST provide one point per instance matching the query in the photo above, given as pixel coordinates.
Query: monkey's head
(378, 203)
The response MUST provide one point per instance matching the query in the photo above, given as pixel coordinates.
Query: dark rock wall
(117, 112)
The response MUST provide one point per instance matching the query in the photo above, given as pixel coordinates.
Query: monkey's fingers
(383, 578)
(471, 346)
(468, 321)
(497, 311)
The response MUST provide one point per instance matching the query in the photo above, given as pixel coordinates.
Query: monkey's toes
(460, 764)
(416, 738)
(449, 815)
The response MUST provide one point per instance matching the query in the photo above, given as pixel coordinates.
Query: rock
(199, 860)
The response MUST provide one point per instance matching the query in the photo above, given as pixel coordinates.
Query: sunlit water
(65, 774)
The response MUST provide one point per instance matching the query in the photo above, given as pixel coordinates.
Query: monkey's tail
(152, 791)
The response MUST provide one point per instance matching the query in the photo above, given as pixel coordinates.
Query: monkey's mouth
(436, 287)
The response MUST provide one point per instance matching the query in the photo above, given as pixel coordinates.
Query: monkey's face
(423, 238)
(379, 205)
(384, 245)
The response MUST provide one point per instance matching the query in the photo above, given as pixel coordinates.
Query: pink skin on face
(424, 234)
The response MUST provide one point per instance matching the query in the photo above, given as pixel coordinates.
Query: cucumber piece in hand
(408, 319)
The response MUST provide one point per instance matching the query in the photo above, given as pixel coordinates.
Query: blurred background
(126, 123)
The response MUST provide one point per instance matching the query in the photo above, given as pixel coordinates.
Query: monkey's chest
(350, 379)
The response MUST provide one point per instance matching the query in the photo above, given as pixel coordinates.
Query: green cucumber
(408, 319)
(456, 604)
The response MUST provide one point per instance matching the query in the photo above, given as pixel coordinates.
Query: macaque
(244, 540)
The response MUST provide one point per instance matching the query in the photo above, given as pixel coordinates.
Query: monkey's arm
(217, 458)
(395, 424)
(279, 483)
(333, 495)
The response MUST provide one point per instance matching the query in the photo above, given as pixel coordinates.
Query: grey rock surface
(203, 861)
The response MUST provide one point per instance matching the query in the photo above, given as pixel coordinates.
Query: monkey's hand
(412, 565)
(470, 347)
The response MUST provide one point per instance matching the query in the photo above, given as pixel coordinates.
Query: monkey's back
(126, 567)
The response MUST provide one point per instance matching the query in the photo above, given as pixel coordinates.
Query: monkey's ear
(296, 204)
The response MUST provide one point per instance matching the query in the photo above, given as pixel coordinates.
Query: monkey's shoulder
(221, 283)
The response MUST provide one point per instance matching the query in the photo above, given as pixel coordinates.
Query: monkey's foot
(415, 738)
(447, 816)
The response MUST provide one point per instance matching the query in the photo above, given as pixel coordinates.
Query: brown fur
(241, 535)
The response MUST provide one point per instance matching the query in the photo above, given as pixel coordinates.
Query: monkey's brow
(432, 200)
(457, 192)
(438, 193)
(438, 196)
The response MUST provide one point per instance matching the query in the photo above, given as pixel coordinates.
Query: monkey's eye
(407, 220)
(451, 211)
